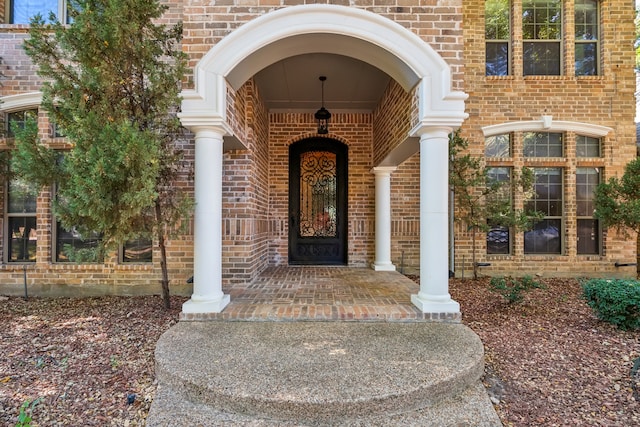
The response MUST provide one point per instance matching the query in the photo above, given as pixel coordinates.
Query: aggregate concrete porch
(282, 354)
(323, 293)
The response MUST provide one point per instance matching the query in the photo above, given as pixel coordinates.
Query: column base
(383, 267)
(215, 306)
(432, 306)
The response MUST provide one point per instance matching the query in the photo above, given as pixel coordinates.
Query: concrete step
(320, 373)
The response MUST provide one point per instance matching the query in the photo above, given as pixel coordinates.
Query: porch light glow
(323, 115)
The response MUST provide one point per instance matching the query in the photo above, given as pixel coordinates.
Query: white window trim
(547, 124)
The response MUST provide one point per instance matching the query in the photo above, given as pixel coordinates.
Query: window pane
(19, 119)
(542, 144)
(23, 196)
(318, 194)
(586, 35)
(586, 181)
(497, 35)
(496, 25)
(548, 191)
(73, 247)
(541, 59)
(498, 236)
(586, 19)
(545, 235)
(497, 146)
(544, 238)
(498, 240)
(588, 237)
(497, 59)
(499, 174)
(586, 59)
(23, 10)
(22, 239)
(541, 19)
(138, 250)
(587, 146)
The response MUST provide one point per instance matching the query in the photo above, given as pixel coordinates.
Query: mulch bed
(550, 361)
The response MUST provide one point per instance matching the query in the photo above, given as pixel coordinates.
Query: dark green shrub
(512, 288)
(614, 301)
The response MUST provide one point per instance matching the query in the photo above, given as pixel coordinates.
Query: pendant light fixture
(323, 115)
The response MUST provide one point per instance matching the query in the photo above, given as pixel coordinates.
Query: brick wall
(606, 100)
(246, 191)
(438, 22)
(354, 130)
(255, 205)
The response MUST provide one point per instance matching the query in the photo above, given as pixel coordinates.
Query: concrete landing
(320, 373)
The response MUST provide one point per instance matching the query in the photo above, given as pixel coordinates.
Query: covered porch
(323, 293)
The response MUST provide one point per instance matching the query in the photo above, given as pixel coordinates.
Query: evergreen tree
(112, 82)
(482, 201)
(617, 203)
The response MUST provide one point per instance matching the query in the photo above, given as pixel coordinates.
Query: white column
(434, 189)
(383, 219)
(207, 294)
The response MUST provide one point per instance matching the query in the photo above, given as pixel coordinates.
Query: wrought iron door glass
(318, 194)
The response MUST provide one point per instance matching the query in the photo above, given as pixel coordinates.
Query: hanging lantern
(323, 115)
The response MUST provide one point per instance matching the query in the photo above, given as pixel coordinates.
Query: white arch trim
(341, 30)
(547, 124)
(20, 102)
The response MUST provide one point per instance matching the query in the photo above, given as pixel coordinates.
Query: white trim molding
(314, 28)
(547, 124)
(20, 101)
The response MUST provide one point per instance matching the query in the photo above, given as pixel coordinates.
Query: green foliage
(83, 255)
(617, 202)
(112, 83)
(512, 289)
(483, 202)
(26, 411)
(30, 152)
(614, 301)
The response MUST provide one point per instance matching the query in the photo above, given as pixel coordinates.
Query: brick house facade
(435, 53)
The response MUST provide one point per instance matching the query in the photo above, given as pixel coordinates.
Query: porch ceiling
(292, 85)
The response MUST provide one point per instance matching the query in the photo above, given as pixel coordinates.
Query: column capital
(213, 129)
(383, 170)
(423, 130)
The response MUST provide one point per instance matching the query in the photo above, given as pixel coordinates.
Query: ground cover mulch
(90, 361)
(550, 362)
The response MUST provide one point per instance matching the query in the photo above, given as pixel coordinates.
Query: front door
(318, 202)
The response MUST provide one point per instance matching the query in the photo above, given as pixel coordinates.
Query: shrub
(512, 288)
(614, 301)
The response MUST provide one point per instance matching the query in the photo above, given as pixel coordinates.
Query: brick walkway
(323, 294)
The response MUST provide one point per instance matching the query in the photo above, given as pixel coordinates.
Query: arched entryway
(339, 30)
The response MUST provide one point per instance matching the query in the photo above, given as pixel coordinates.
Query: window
(497, 33)
(21, 11)
(498, 237)
(137, 251)
(587, 146)
(497, 146)
(19, 119)
(71, 246)
(588, 228)
(545, 237)
(542, 36)
(542, 144)
(586, 36)
(22, 199)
